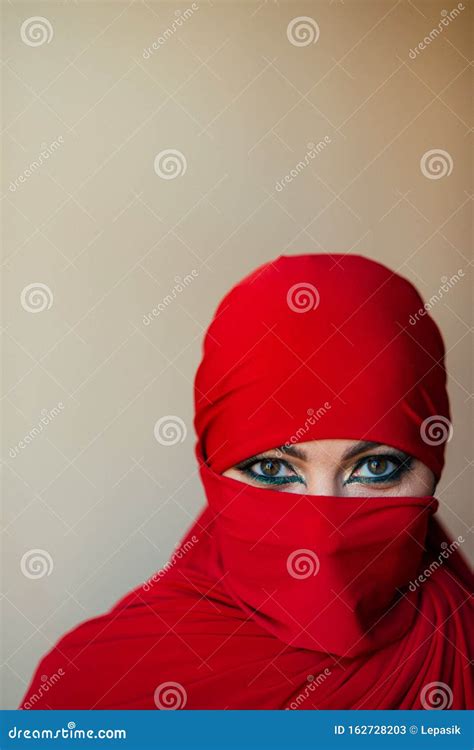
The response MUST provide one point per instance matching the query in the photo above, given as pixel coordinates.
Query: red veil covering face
(286, 601)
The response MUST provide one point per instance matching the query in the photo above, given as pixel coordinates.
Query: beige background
(94, 222)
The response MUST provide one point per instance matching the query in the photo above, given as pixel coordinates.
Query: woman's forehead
(331, 448)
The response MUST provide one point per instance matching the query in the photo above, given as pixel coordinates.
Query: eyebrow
(291, 450)
(361, 447)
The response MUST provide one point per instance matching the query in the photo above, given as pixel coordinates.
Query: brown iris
(270, 467)
(377, 465)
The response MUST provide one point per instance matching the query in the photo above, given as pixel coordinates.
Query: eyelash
(402, 465)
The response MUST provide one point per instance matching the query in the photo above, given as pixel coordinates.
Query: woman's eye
(379, 468)
(271, 471)
(269, 467)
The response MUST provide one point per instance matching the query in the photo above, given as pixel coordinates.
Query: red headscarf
(280, 600)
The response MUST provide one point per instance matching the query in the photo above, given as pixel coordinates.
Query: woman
(317, 576)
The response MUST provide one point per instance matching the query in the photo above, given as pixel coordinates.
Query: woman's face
(337, 467)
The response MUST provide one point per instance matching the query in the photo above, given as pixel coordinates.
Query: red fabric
(311, 330)
(280, 600)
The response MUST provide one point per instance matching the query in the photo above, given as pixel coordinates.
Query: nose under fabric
(320, 572)
(321, 346)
